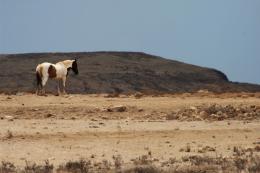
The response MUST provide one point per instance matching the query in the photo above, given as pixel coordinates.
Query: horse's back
(43, 65)
(43, 69)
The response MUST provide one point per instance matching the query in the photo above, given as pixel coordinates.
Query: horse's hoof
(44, 95)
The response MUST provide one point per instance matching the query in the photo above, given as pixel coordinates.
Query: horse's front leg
(37, 92)
(44, 81)
(64, 85)
(58, 86)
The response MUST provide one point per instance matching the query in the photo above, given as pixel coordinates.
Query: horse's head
(75, 67)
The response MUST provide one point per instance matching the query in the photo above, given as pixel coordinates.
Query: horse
(58, 71)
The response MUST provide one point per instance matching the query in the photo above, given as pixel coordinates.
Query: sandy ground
(36, 128)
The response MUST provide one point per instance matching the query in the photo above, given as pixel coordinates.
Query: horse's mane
(66, 63)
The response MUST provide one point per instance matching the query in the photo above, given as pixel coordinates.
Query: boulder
(119, 108)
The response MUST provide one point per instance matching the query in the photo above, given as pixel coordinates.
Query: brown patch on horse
(52, 71)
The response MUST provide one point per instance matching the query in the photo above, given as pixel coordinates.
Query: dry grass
(7, 167)
(81, 166)
(34, 168)
(8, 135)
(242, 161)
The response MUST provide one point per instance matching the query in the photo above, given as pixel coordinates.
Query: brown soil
(36, 128)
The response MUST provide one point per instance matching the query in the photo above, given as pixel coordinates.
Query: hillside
(108, 72)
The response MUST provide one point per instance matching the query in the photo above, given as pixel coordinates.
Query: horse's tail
(38, 78)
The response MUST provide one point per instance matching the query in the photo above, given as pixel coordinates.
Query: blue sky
(222, 34)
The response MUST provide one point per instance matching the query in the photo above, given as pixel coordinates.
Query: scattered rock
(119, 108)
(172, 116)
(9, 117)
(68, 96)
(206, 149)
(103, 110)
(94, 126)
(140, 110)
(138, 95)
(9, 135)
(49, 115)
(19, 93)
(35, 109)
(112, 95)
(73, 118)
(203, 91)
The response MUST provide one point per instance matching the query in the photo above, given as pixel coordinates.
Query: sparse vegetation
(247, 163)
(34, 168)
(118, 161)
(142, 169)
(7, 167)
(187, 148)
(8, 135)
(206, 149)
(81, 166)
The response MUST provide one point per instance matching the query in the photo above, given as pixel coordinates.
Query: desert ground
(103, 127)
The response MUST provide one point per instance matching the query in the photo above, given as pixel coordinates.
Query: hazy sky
(223, 34)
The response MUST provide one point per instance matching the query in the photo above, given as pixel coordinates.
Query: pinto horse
(58, 71)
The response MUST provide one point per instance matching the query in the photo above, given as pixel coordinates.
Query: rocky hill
(109, 72)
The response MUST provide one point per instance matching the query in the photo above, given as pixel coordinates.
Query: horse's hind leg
(38, 89)
(39, 83)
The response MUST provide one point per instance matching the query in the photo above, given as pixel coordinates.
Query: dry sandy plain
(63, 128)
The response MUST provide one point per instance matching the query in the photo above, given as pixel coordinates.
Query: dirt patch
(64, 129)
(153, 108)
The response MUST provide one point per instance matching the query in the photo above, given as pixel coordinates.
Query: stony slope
(108, 72)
